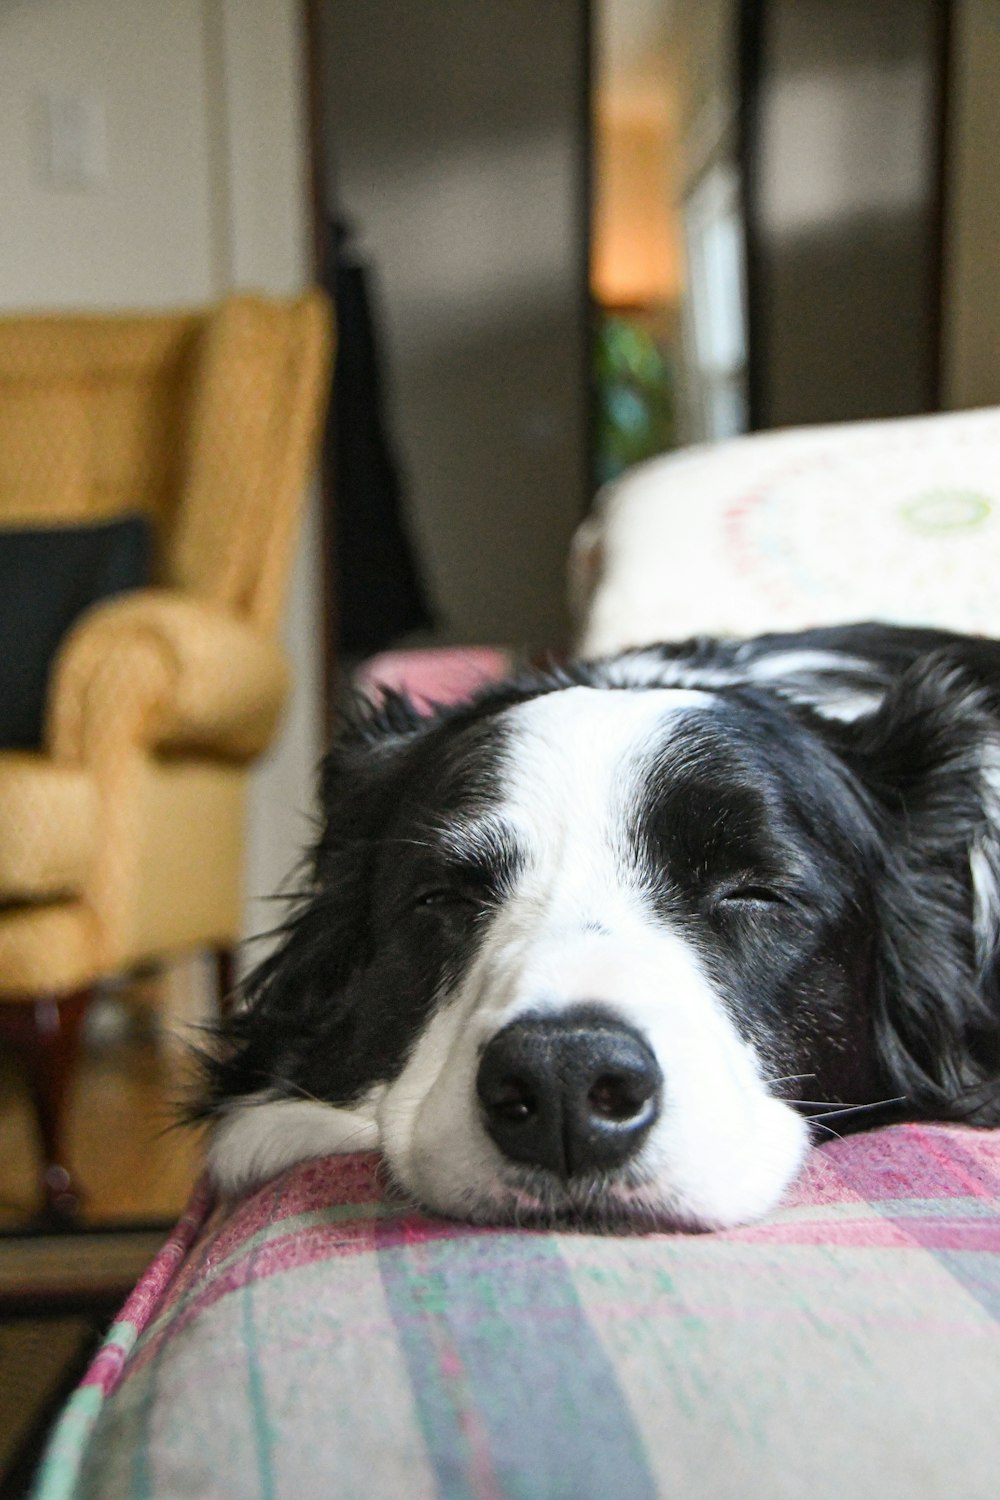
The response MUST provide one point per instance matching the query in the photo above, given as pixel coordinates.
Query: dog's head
(590, 948)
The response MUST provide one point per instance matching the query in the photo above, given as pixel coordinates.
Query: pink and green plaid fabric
(319, 1339)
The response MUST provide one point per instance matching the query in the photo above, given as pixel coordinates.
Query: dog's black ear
(358, 791)
(929, 762)
(326, 935)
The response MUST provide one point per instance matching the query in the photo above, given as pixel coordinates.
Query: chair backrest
(205, 421)
(90, 409)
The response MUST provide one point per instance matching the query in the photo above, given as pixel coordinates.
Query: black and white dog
(603, 943)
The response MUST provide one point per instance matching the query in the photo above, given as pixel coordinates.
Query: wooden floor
(124, 1153)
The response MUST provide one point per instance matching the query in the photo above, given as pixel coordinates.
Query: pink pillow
(437, 675)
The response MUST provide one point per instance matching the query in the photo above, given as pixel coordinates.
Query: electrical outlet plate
(76, 154)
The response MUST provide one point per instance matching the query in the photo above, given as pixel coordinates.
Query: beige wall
(972, 245)
(262, 146)
(204, 191)
(144, 236)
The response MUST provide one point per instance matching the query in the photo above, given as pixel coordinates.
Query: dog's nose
(575, 1093)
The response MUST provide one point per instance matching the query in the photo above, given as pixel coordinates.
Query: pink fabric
(265, 1327)
(877, 1184)
(438, 675)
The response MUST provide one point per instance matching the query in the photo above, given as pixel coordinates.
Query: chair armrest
(165, 671)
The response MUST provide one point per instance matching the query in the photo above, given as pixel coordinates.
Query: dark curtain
(380, 594)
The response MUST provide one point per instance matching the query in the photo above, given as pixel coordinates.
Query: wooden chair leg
(225, 980)
(45, 1033)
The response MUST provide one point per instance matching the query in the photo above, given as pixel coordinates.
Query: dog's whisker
(854, 1109)
(298, 1089)
(354, 1135)
(820, 1126)
(416, 843)
(300, 1092)
(837, 1104)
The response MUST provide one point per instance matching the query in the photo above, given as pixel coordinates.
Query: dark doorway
(453, 140)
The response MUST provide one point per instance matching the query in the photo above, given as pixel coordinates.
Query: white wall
(264, 148)
(205, 190)
(144, 236)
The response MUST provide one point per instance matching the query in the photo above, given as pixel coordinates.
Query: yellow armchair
(121, 841)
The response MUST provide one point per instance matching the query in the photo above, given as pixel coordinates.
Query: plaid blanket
(319, 1340)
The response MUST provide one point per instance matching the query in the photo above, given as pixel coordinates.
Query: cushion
(320, 1338)
(48, 827)
(436, 674)
(896, 521)
(48, 577)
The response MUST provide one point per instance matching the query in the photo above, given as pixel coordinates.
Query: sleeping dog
(610, 944)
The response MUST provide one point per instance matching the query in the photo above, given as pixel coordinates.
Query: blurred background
(561, 237)
(599, 231)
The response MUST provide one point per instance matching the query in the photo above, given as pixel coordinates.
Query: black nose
(575, 1093)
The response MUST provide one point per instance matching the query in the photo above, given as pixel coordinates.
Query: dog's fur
(774, 865)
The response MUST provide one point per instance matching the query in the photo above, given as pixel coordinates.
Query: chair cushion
(48, 948)
(48, 577)
(320, 1338)
(48, 827)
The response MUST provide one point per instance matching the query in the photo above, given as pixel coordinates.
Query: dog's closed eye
(752, 895)
(445, 897)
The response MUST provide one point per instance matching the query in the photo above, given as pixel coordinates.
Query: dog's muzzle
(576, 1093)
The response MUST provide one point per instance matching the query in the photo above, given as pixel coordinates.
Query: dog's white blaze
(578, 929)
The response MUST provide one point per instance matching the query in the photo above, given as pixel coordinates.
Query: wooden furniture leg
(225, 980)
(45, 1035)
